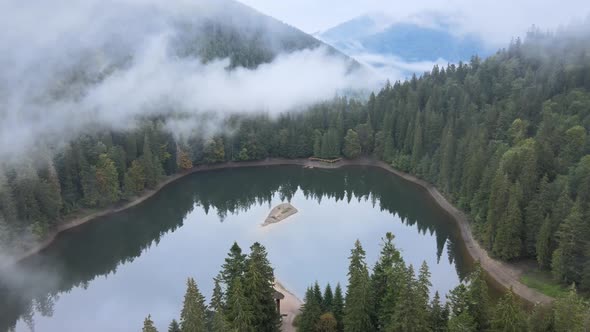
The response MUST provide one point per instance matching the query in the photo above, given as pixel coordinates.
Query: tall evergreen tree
(338, 308)
(357, 309)
(381, 282)
(567, 262)
(174, 326)
(258, 286)
(508, 315)
(328, 299)
(233, 268)
(439, 315)
(310, 312)
(352, 145)
(148, 325)
(218, 323)
(239, 315)
(479, 302)
(193, 316)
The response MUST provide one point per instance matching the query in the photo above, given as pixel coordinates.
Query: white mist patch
(102, 65)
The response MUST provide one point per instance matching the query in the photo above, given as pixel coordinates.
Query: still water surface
(108, 275)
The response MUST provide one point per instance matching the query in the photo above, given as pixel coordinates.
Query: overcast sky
(497, 21)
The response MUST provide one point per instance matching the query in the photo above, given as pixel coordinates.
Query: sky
(496, 21)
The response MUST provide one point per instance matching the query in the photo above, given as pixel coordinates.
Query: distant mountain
(427, 38)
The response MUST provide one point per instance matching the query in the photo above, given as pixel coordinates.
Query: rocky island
(280, 213)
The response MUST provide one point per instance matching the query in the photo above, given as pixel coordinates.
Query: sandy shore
(505, 274)
(290, 306)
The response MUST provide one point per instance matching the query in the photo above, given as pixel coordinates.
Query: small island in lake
(280, 213)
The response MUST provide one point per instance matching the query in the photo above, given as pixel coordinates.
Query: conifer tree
(107, 181)
(570, 312)
(338, 308)
(328, 299)
(357, 309)
(310, 312)
(174, 326)
(193, 316)
(508, 315)
(239, 315)
(439, 315)
(233, 268)
(535, 215)
(479, 307)
(258, 286)
(544, 247)
(148, 325)
(381, 282)
(406, 314)
(422, 297)
(317, 292)
(568, 258)
(507, 242)
(352, 145)
(218, 323)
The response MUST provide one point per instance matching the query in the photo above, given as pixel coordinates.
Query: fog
(72, 67)
(496, 22)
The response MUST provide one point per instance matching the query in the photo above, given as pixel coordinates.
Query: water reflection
(349, 197)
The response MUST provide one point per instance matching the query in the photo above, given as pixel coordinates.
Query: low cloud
(104, 65)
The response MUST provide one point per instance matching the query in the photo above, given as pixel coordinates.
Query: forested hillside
(505, 139)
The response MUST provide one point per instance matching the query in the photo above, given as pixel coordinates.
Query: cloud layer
(104, 64)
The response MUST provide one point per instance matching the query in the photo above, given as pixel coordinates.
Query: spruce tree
(439, 315)
(479, 307)
(310, 312)
(239, 315)
(148, 325)
(535, 215)
(407, 315)
(328, 299)
(218, 323)
(352, 145)
(570, 312)
(508, 315)
(174, 326)
(317, 292)
(107, 181)
(233, 268)
(258, 286)
(568, 258)
(544, 247)
(507, 242)
(422, 297)
(193, 316)
(380, 279)
(338, 307)
(358, 306)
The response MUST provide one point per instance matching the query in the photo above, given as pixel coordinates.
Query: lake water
(108, 275)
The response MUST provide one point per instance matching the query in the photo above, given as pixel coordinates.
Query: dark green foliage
(439, 315)
(148, 325)
(508, 315)
(193, 315)
(357, 311)
(174, 326)
(218, 323)
(310, 312)
(258, 286)
(338, 308)
(352, 145)
(328, 299)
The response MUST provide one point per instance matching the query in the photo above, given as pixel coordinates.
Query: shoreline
(290, 307)
(505, 274)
